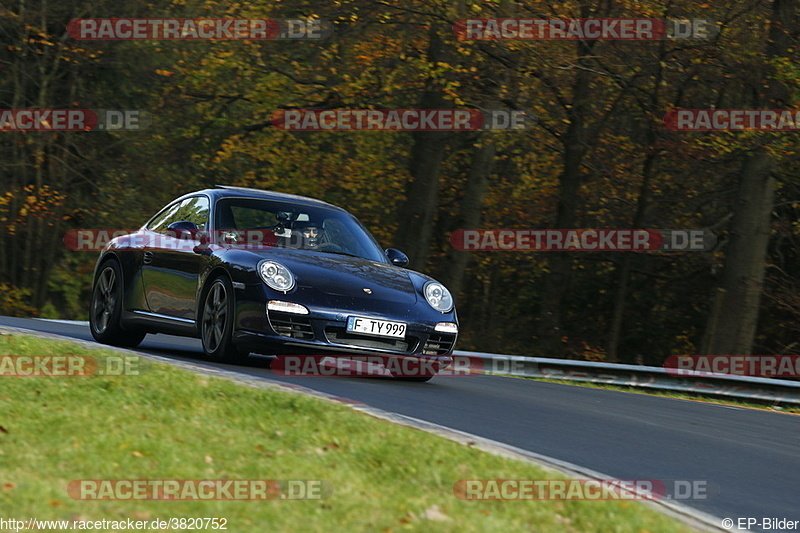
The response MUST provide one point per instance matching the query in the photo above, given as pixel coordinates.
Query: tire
(216, 323)
(105, 309)
(418, 374)
(414, 379)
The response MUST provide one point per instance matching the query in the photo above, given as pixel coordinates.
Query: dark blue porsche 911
(256, 271)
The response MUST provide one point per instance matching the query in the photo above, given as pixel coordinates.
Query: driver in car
(311, 235)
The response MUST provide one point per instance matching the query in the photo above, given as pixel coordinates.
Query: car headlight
(276, 275)
(438, 296)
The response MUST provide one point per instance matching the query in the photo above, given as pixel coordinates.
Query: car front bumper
(323, 331)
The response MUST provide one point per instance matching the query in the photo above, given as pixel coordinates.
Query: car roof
(227, 191)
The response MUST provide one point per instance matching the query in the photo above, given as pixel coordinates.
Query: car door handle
(148, 258)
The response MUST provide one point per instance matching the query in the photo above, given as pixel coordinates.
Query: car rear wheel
(106, 308)
(216, 323)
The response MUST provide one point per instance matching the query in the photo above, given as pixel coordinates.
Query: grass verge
(169, 423)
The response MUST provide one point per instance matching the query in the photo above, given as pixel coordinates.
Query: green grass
(170, 423)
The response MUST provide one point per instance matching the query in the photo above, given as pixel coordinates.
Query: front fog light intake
(276, 275)
(287, 307)
(438, 296)
(446, 327)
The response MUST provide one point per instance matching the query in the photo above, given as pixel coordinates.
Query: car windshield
(294, 225)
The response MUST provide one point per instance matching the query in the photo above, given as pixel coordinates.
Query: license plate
(377, 328)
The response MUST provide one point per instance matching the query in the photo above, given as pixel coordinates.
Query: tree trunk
(621, 295)
(732, 324)
(555, 284)
(418, 212)
(733, 320)
(469, 216)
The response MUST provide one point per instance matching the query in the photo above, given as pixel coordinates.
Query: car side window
(164, 219)
(195, 210)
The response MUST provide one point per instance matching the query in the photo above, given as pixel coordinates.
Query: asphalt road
(749, 459)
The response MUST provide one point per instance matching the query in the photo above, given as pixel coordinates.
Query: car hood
(343, 277)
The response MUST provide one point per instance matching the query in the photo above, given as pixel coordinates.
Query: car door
(171, 268)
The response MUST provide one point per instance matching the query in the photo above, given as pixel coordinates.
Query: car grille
(340, 336)
(439, 344)
(289, 325)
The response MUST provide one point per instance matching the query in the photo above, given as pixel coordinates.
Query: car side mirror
(183, 229)
(396, 257)
(204, 238)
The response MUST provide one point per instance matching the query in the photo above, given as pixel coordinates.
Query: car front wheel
(216, 323)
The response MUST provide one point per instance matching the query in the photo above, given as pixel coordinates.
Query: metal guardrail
(774, 391)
